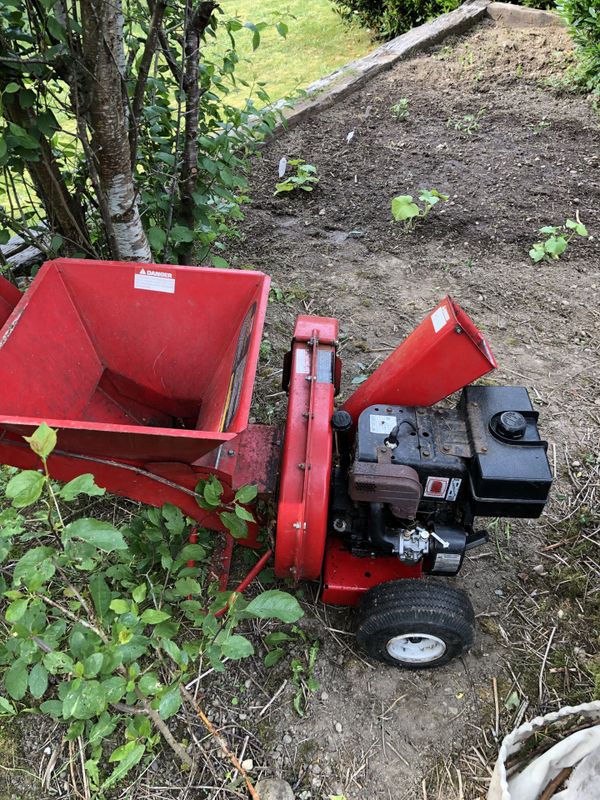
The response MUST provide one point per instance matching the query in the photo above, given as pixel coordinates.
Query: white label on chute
(439, 318)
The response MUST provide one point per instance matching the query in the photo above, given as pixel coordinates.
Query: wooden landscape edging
(339, 84)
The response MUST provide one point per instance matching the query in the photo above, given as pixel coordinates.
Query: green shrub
(388, 18)
(583, 19)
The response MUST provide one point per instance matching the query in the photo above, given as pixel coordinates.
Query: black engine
(414, 479)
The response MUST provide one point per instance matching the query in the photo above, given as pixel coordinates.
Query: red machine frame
(156, 463)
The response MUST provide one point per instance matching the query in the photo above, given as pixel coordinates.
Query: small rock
(248, 764)
(324, 696)
(316, 769)
(498, 592)
(47, 751)
(338, 727)
(287, 739)
(274, 789)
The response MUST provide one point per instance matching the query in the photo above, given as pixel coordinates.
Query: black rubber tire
(422, 607)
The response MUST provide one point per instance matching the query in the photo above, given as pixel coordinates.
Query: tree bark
(198, 21)
(107, 117)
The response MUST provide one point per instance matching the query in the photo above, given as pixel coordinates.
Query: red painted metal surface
(9, 297)
(306, 460)
(443, 354)
(146, 372)
(131, 361)
(346, 577)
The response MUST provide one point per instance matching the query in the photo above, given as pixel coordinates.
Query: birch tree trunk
(107, 118)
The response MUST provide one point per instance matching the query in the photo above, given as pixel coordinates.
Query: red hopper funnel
(445, 353)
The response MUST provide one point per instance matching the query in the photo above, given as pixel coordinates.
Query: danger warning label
(153, 280)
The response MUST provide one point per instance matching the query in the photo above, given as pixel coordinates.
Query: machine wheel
(414, 624)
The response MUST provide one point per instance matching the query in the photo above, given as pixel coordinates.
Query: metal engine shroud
(416, 478)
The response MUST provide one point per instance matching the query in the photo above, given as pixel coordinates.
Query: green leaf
(56, 243)
(25, 488)
(34, 568)
(213, 490)
(431, 196)
(277, 637)
(149, 684)
(152, 616)
(236, 526)
(157, 238)
(122, 752)
(170, 702)
(246, 494)
(84, 700)
(537, 252)
(114, 688)
(174, 519)
(185, 586)
(236, 647)
(274, 656)
(101, 594)
(556, 246)
(15, 680)
(139, 593)
(120, 606)
(126, 761)
(173, 651)
(16, 609)
(38, 681)
(282, 29)
(11, 88)
(55, 28)
(42, 441)
(548, 229)
(192, 552)
(6, 707)
(103, 728)
(275, 603)
(58, 663)
(242, 513)
(578, 227)
(219, 263)
(82, 484)
(53, 708)
(181, 234)
(92, 665)
(403, 208)
(97, 532)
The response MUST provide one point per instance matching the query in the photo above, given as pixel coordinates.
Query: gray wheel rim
(416, 648)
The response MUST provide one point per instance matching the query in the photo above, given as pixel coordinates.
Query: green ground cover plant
(406, 210)
(103, 626)
(557, 240)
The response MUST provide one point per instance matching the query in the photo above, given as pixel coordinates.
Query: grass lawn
(317, 43)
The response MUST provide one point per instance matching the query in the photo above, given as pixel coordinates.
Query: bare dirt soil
(532, 160)
(372, 732)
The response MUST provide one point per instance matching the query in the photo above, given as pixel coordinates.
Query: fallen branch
(220, 741)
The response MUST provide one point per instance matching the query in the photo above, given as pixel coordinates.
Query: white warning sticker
(439, 318)
(302, 365)
(379, 423)
(436, 487)
(453, 489)
(154, 280)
